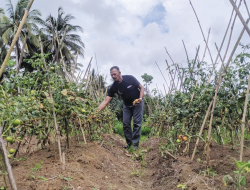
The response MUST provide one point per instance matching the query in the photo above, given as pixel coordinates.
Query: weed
(182, 186)
(243, 170)
(208, 172)
(43, 178)
(226, 179)
(137, 173)
(20, 159)
(67, 187)
(37, 167)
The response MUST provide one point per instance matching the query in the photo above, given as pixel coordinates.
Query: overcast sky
(132, 34)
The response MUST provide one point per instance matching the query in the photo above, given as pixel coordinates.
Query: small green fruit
(16, 122)
(9, 139)
(11, 151)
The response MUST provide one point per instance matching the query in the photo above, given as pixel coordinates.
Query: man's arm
(141, 91)
(104, 103)
(141, 95)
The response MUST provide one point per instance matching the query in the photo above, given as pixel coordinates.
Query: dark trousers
(132, 137)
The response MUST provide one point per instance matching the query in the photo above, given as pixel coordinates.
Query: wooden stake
(16, 37)
(161, 73)
(240, 16)
(247, 8)
(6, 161)
(222, 43)
(201, 130)
(185, 50)
(217, 89)
(244, 121)
(53, 107)
(202, 31)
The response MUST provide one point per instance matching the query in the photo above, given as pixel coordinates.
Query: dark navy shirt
(128, 89)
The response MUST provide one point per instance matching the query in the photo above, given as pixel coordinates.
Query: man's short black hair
(114, 67)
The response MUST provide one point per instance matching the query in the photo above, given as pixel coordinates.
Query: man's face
(115, 74)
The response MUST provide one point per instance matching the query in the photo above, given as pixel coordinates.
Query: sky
(133, 34)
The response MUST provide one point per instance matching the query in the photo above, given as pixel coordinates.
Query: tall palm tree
(58, 34)
(9, 25)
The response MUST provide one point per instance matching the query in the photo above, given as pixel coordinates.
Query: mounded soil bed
(106, 165)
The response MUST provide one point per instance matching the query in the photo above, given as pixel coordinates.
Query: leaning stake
(6, 161)
(243, 121)
(16, 37)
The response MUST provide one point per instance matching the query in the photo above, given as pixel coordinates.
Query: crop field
(195, 135)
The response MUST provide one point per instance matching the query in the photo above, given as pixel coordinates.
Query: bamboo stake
(53, 107)
(161, 73)
(201, 130)
(247, 8)
(218, 51)
(197, 52)
(240, 17)
(206, 45)
(185, 50)
(169, 70)
(243, 121)
(177, 67)
(222, 43)
(6, 161)
(89, 65)
(202, 31)
(165, 89)
(83, 134)
(182, 77)
(16, 37)
(217, 88)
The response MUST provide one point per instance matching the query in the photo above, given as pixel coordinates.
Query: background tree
(58, 29)
(147, 79)
(9, 25)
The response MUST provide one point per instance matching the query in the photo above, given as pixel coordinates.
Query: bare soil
(106, 165)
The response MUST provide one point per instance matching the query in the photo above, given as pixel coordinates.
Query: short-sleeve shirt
(128, 89)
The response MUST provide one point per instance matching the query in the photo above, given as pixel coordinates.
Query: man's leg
(137, 116)
(127, 116)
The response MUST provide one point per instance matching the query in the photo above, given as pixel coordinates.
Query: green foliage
(37, 167)
(147, 78)
(242, 172)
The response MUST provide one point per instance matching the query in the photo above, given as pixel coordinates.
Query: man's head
(116, 73)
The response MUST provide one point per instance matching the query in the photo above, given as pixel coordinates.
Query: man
(130, 90)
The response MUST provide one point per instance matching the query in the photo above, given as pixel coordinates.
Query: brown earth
(105, 165)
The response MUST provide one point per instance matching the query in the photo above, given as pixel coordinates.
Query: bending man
(130, 90)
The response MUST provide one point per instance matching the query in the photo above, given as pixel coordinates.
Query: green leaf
(239, 164)
(242, 180)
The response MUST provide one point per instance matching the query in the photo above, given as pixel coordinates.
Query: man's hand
(136, 102)
(104, 103)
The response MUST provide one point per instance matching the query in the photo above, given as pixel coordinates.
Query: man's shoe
(135, 146)
(127, 147)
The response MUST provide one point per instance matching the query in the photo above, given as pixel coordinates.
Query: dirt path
(106, 165)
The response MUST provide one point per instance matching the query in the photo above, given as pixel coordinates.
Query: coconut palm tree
(58, 33)
(9, 25)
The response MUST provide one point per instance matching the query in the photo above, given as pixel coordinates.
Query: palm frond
(1, 11)
(10, 9)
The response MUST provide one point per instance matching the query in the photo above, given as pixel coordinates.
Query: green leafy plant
(242, 172)
(182, 186)
(208, 172)
(37, 167)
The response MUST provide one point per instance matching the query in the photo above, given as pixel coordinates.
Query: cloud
(132, 34)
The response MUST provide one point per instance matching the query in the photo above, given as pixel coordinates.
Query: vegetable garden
(44, 103)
